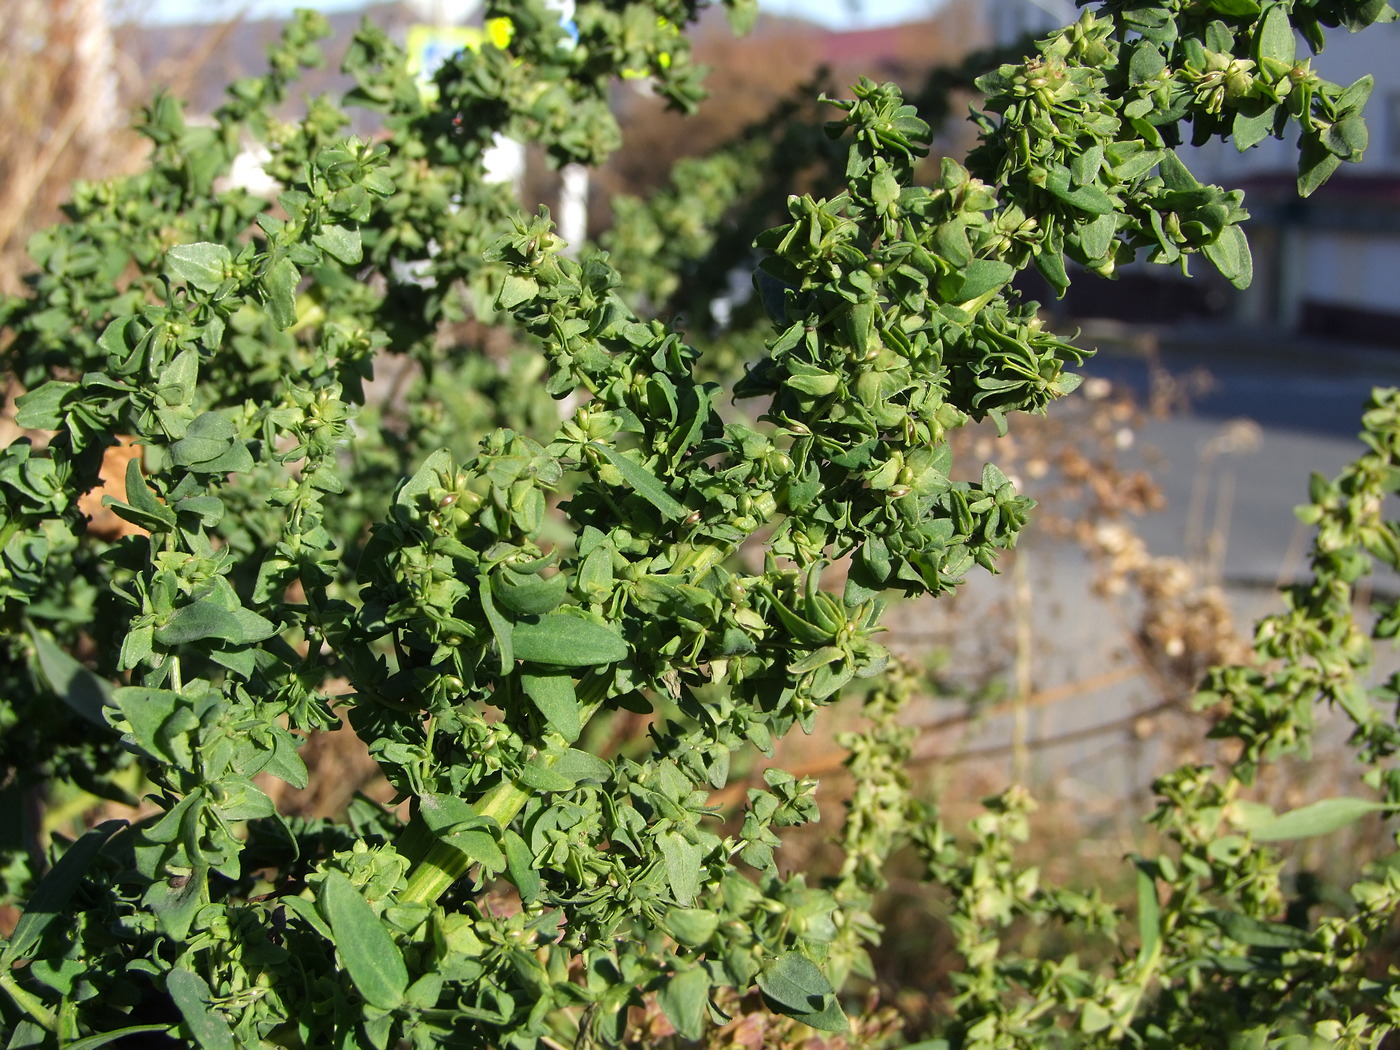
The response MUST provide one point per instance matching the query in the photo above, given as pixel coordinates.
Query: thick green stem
(29, 1003)
(442, 864)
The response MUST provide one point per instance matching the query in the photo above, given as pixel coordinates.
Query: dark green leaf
(1274, 39)
(520, 866)
(84, 692)
(42, 408)
(454, 821)
(370, 955)
(191, 996)
(1236, 8)
(643, 481)
(206, 618)
(1229, 253)
(501, 628)
(555, 697)
(50, 899)
(795, 986)
(529, 594)
(92, 1042)
(562, 640)
(1249, 931)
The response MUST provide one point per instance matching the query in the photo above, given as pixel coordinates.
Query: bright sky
(850, 14)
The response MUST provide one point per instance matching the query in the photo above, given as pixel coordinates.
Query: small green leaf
(683, 998)
(529, 594)
(691, 926)
(455, 822)
(540, 777)
(520, 866)
(1229, 253)
(191, 996)
(682, 859)
(1149, 913)
(1317, 818)
(370, 955)
(203, 265)
(340, 242)
(795, 986)
(561, 640)
(501, 628)
(643, 481)
(280, 292)
(517, 289)
(555, 697)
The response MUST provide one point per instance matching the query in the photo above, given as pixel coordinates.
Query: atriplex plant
(278, 573)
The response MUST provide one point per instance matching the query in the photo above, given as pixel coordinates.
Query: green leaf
(455, 822)
(141, 506)
(1229, 253)
(1317, 818)
(529, 594)
(520, 866)
(204, 265)
(1249, 931)
(371, 957)
(501, 628)
(540, 776)
(691, 926)
(1274, 39)
(191, 996)
(42, 408)
(1250, 129)
(555, 697)
(682, 859)
(643, 481)
(562, 640)
(1149, 913)
(340, 242)
(795, 986)
(1236, 8)
(84, 692)
(517, 289)
(1315, 165)
(206, 618)
(49, 901)
(982, 276)
(683, 999)
(147, 711)
(92, 1042)
(280, 291)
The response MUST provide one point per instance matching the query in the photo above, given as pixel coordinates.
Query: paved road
(1232, 470)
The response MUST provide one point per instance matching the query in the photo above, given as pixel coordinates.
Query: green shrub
(473, 578)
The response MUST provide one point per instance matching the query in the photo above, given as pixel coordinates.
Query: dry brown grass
(70, 85)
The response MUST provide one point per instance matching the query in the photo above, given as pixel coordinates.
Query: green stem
(29, 1003)
(442, 864)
